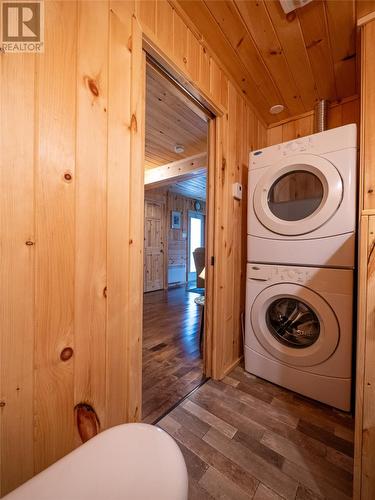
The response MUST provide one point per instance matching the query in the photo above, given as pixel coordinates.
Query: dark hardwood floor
(172, 363)
(245, 438)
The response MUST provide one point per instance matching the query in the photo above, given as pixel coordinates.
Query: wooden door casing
(154, 247)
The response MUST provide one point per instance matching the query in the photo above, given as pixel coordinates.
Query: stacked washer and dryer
(301, 259)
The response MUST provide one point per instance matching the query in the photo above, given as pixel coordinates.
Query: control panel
(279, 273)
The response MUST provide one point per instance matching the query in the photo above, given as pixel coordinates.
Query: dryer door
(295, 324)
(298, 195)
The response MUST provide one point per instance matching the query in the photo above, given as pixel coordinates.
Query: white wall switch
(237, 191)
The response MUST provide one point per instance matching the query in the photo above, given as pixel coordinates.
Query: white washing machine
(302, 201)
(299, 329)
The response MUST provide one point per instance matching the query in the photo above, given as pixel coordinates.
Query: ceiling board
(212, 34)
(343, 42)
(292, 59)
(313, 22)
(191, 188)
(170, 120)
(255, 17)
(289, 34)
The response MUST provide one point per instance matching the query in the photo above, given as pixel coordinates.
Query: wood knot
(313, 43)
(2, 404)
(348, 57)
(370, 191)
(92, 85)
(185, 60)
(105, 292)
(88, 423)
(130, 43)
(68, 176)
(291, 17)
(66, 354)
(29, 243)
(240, 42)
(133, 123)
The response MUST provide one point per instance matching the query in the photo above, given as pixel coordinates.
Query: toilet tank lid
(129, 461)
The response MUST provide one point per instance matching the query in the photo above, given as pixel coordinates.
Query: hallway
(172, 363)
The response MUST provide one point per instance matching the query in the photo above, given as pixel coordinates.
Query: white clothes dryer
(299, 330)
(302, 201)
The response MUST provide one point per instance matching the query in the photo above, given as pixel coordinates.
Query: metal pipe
(320, 116)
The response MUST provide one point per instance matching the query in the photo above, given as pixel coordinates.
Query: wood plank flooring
(172, 363)
(245, 438)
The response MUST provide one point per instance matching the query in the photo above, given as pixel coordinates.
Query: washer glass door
(298, 195)
(295, 324)
(295, 195)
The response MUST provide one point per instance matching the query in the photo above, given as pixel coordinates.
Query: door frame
(211, 354)
(212, 114)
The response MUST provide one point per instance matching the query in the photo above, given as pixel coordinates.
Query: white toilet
(130, 461)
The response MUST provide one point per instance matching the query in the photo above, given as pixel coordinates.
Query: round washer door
(298, 195)
(295, 325)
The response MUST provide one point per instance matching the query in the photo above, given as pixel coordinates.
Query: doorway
(196, 262)
(176, 165)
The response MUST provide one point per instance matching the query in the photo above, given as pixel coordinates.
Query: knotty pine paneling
(364, 460)
(367, 115)
(118, 213)
(236, 131)
(338, 115)
(54, 213)
(175, 244)
(364, 457)
(72, 212)
(90, 224)
(17, 279)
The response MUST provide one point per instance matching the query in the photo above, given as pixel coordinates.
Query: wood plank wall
(364, 457)
(174, 241)
(71, 201)
(339, 114)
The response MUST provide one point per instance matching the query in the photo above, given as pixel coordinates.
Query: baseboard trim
(232, 367)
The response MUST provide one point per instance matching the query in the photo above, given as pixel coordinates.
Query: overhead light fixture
(179, 148)
(290, 5)
(278, 108)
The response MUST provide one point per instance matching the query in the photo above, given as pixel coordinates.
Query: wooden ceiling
(191, 188)
(171, 119)
(292, 59)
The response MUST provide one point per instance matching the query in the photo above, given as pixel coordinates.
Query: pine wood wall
(339, 114)
(364, 454)
(176, 245)
(71, 180)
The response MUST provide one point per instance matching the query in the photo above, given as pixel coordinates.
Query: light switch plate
(237, 191)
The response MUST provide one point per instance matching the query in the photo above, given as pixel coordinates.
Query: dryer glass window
(295, 195)
(293, 323)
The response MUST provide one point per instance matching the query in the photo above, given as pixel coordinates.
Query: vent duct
(320, 116)
(290, 5)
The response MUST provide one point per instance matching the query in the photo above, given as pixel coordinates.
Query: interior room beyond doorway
(174, 246)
